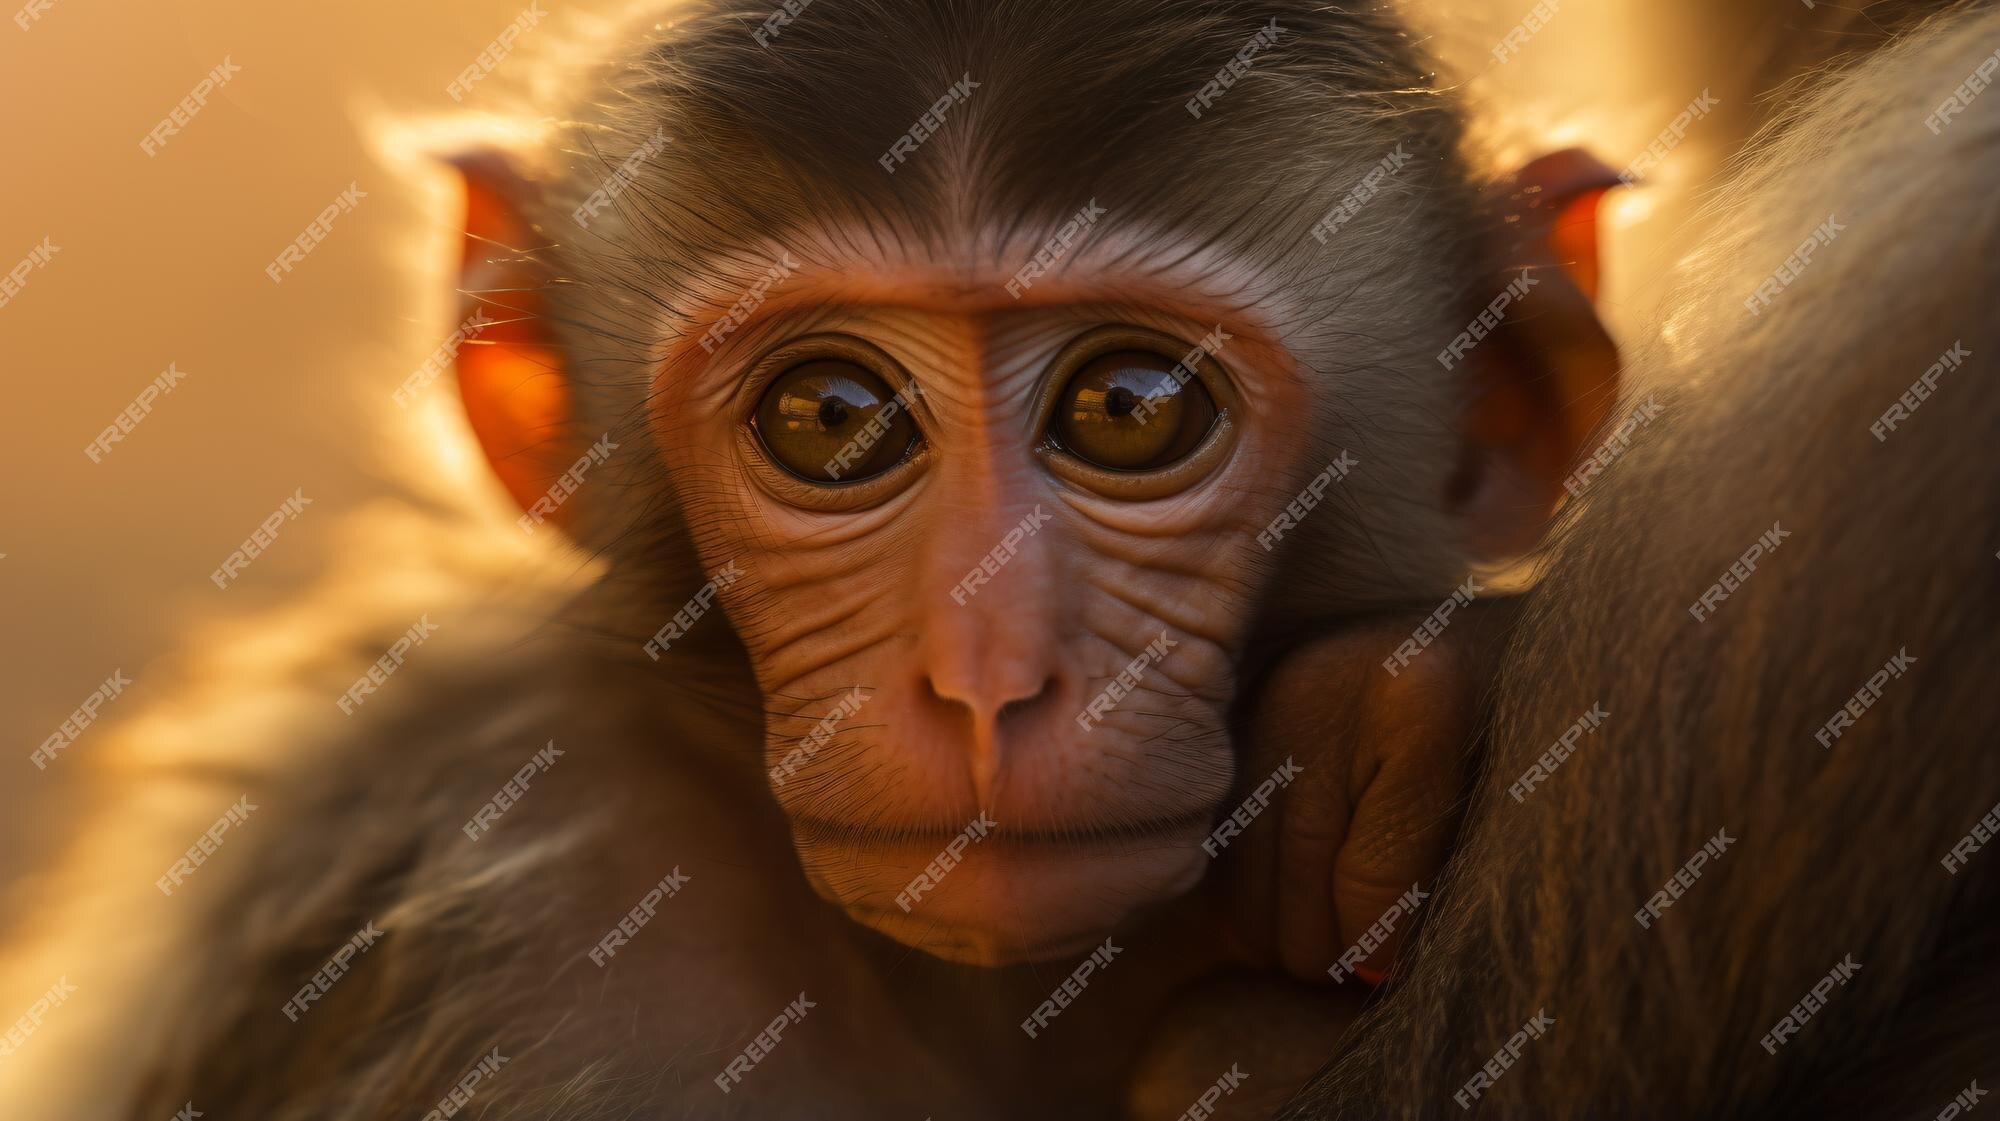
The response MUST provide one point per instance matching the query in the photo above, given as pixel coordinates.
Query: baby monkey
(1038, 455)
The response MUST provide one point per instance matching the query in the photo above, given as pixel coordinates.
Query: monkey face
(992, 561)
(989, 448)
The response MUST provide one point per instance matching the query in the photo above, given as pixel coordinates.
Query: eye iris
(833, 421)
(1133, 411)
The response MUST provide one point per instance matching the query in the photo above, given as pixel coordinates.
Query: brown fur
(1713, 724)
(484, 943)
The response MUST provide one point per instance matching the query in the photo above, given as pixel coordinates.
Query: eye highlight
(1132, 410)
(831, 421)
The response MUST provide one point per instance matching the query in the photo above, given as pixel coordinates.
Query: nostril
(994, 700)
(1021, 704)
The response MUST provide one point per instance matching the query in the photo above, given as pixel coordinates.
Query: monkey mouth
(820, 830)
(986, 895)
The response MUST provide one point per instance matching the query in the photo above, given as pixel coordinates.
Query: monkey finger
(1311, 830)
(1304, 738)
(1406, 808)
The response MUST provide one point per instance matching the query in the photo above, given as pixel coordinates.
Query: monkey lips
(991, 896)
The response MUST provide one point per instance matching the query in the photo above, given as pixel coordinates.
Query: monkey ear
(511, 376)
(1546, 377)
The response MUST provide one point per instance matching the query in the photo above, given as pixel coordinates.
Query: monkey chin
(999, 900)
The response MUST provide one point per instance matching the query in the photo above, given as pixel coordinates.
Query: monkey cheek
(1009, 903)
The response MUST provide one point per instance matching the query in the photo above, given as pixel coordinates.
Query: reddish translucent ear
(510, 371)
(1545, 379)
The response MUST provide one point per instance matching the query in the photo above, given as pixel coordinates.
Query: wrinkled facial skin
(956, 702)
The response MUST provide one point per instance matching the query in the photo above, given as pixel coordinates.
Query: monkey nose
(993, 705)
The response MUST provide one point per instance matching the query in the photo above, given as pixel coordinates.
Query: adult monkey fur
(1843, 848)
(466, 966)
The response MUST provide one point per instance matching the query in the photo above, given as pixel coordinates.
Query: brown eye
(832, 421)
(1133, 410)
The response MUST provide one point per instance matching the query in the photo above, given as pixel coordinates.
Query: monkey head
(1011, 387)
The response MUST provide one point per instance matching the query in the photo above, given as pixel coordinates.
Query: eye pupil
(832, 412)
(1120, 401)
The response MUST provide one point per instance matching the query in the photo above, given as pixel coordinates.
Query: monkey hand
(1363, 759)
(1354, 778)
